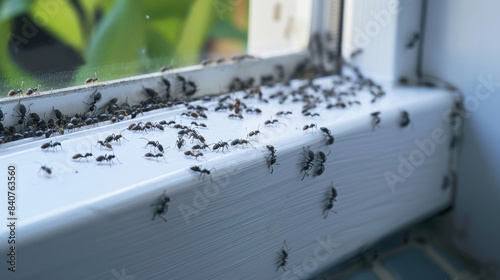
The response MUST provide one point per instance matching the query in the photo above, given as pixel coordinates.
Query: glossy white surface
(87, 221)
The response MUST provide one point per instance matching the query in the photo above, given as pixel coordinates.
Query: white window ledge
(92, 221)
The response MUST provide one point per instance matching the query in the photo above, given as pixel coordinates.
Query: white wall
(462, 46)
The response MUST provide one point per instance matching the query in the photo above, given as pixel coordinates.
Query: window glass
(61, 43)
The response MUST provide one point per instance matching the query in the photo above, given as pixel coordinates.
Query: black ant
(328, 134)
(404, 120)
(241, 142)
(14, 91)
(192, 90)
(30, 91)
(155, 144)
(414, 40)
(321, 158)
(22, 113)
(255, 132)
(107, 158)
(283, 256)
(233, 116)
(311, 115)
(161, 207)
(308, 163)
(256, 110)
(180, 142)
(2, 116)
(283, 113)
(114, 137)
(375, 120)
(156, 156)
(191, 114)
(200, 147)
(220, 145)
(166, 68)
(195, 155)
(80, 156)
(96, 97)
(206, 62)
(271, 122)
(46, 169)
(203, 172)
(271, 158)
(330, 199)
(102, 144)
(199, 125)
(306, 127)
(52, 145)
(92, 80)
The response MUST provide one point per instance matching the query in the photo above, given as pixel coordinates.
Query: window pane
(60, 43)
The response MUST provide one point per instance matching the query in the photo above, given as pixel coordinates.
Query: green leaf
(120, 35)
(61, 19)
(195, 32)
(169, 28)
(13, 8)
(158, 9)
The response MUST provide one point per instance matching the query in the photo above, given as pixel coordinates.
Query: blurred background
(61, 43)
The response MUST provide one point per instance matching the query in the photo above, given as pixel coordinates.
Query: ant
(311, 115)
(271, 122)
(102, 144)
(22, 113)
(46, 169)
(328, 134)
(220, 145)
(241, 142)
(107, 158)
(191, 114)
(166, 68)
(321, 157)
(256, 110)
(180, 142)
(199, 125)
(48, 145)
(414, 40)
(375, 120)
(192, 91)
(404, 121)
(283, 256)
(331, 199)
(308, 163)
(92, 80)
(96, 97)
(200, 147)
(255, 132)
(206, 62)
(306, 127)
(30, 91)
(14, 91)
(161, 207)
(114, 137)
(271, 158)
(282, 113)
(150, 155)
(167, 84)
(195, 155)
(80, 156)
(197, 168)
(233, 116)
(155, 144)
